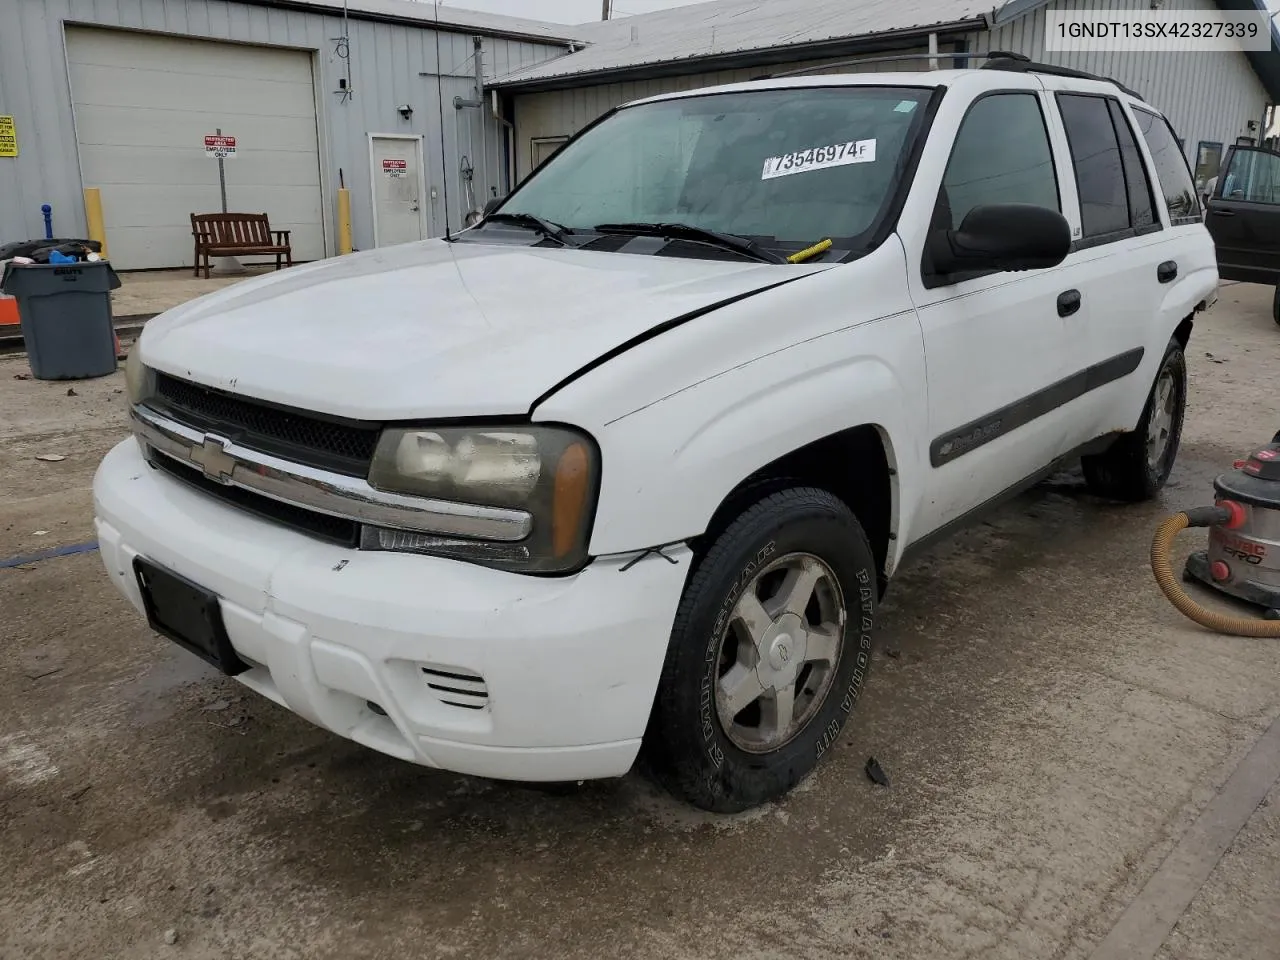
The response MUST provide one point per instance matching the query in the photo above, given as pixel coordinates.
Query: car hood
(435, 329)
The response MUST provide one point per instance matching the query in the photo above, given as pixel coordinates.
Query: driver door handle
(1068, 303)
(1219, 212)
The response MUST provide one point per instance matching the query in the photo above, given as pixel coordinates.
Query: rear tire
(1275, 306)
(768, 653)
(1137, 466)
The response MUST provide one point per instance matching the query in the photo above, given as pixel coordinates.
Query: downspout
(511, 142)
(484, 126)
(933, 51)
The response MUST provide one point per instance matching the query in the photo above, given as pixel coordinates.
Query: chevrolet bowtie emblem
(212, 457)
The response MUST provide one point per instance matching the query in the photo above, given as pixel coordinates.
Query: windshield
(792, 167)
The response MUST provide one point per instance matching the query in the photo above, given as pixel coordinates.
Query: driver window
(1253, 176)
(1001, 155)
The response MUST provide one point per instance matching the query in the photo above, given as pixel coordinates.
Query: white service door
(397, 190)
(143, 105)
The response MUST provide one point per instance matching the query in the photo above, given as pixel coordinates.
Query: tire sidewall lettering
(861, 624)
(708, 719)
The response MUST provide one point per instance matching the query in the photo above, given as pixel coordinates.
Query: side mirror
(493, 205)
(1002, 236)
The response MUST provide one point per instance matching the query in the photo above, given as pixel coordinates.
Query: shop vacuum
(1243, 557)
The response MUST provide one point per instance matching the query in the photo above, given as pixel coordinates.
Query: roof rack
(1017, 63)
(996, 60)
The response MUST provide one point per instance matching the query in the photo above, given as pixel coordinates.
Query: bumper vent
(455, 687)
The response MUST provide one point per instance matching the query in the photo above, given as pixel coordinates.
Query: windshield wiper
(685, 231)
(547, 228)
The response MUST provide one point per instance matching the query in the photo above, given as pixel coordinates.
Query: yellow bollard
(344, 220)
(93, 217)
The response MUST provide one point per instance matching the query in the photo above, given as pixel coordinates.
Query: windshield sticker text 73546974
(820, 158)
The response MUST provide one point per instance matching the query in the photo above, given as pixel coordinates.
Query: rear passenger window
(1141, 204)
(1001, 155)
(1095, 154)
(1171, 167)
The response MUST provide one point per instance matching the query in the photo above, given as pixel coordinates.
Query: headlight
(551, 472)
(136, 376)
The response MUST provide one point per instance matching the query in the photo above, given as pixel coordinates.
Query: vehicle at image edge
(623, 471)
(1243, 217)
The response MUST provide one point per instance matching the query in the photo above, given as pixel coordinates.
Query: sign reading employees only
(219, 147)
(395, 168)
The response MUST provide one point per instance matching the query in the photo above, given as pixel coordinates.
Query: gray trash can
(65, 314)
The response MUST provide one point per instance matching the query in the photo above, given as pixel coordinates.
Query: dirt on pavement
(1050, 727)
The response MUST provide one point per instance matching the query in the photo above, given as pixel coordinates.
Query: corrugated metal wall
(1206, 96)
(562, 113)
(387, 65)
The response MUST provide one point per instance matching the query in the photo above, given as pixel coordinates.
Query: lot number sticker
(820, 158)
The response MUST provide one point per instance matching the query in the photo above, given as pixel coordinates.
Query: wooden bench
(238, 235)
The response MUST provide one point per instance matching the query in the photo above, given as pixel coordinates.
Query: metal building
(369, 95)
(1212, 99)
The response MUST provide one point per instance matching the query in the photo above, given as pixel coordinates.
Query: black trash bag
(74, 248)
(27, 248)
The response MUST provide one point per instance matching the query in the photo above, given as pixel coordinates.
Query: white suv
(626, 467)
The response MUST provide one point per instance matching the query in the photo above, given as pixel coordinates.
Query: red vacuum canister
(1243, 558)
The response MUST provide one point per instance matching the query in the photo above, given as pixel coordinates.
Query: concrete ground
(1068, 759)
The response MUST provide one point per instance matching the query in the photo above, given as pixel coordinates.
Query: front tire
(1137, 466)
(1275, 305)
(768, 654)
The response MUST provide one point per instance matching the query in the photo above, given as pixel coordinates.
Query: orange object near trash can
(8, 311)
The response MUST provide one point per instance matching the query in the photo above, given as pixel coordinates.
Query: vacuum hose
(1168, 581)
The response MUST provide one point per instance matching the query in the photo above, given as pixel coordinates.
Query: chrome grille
(344, 447)
(332, 529)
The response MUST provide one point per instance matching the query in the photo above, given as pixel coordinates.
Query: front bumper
(478, 671)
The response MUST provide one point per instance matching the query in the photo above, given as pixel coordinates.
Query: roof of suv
(988, 78)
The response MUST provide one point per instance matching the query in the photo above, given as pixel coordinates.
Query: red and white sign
(220, 148)
(395, 168)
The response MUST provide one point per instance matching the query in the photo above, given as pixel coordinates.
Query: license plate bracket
(187, 614)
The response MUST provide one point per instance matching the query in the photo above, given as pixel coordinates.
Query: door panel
(1244, 216)
(397, 190)
(994, 344)
(1120, 255)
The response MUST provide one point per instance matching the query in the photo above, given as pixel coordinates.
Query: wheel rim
(1160, 426)
(779, 652)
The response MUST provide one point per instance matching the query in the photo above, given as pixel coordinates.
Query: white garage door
(143, 105)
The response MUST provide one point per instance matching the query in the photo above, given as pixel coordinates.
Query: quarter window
(1171, 167)
(1095, 154)
(1001, 155)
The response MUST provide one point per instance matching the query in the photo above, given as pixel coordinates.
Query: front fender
(683, 418)
(671, 465)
